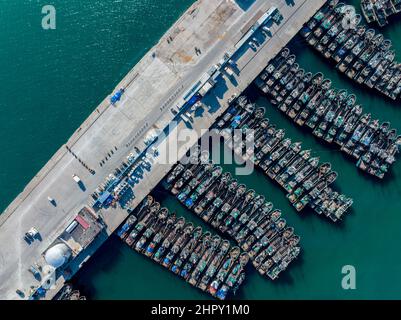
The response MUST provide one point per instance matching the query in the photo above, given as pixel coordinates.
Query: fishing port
(361, 53)
(331, 114)
(111, 163)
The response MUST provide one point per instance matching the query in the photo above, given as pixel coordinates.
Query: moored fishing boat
(357, 54)
(379, 10)
(204, 260)
(286, 162)
(236, 211)
(334, 116)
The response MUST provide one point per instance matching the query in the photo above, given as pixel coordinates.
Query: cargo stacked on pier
(231, 208)
(306, 181)
(331, 114)
(360, 53)
(204, 260)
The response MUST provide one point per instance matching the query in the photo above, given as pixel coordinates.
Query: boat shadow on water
(388, 179)
(309, 213)
(286, 279)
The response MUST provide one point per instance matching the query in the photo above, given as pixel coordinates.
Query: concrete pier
(158, 83)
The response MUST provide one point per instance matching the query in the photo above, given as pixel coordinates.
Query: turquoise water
(51, 80)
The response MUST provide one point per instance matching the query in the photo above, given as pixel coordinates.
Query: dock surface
(154, 86)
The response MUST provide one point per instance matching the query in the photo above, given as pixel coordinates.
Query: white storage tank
(57, 255)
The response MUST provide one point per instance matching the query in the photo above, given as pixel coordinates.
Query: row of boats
(360, 53)
(306, 181)
(332, 115)
(203, 259)
(225, 204)
(379, 10)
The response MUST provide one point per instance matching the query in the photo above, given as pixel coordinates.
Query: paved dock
(152, 88)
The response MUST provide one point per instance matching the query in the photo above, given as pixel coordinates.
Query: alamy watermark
(49, 18)
(173, 143)
(348, 281)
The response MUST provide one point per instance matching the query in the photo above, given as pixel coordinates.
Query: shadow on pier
(81, 186)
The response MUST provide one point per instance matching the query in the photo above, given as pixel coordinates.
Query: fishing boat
(285, 162)
(379, 10)
(206, 261)
(359, 54)
(233, 209)
(333, 115)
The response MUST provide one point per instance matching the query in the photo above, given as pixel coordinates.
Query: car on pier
(20, 293)
(31, 235)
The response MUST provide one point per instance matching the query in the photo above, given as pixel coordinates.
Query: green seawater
(51, 80)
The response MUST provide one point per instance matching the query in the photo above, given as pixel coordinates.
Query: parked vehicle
(35, 273)
(20, 293)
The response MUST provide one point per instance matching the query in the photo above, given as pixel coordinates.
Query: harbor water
(51, 81)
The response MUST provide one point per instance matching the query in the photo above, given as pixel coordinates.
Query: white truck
(31, 235)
